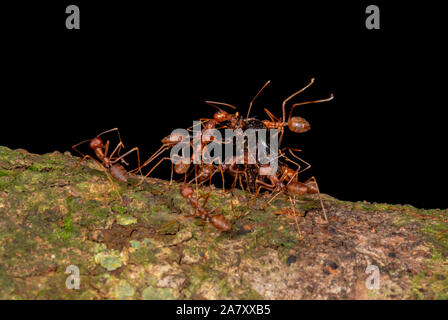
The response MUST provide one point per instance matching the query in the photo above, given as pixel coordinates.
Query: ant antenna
(78, 144)
(300, 91)
(213, 104)
(250, 105)
(114, 129)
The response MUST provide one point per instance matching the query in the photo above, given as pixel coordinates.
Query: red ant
(295, 124)
(170, 141)
(235, 121)
(286, 181)
(217, 220)
(167, 143)
(107, 162)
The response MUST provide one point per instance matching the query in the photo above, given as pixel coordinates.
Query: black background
(148, 69)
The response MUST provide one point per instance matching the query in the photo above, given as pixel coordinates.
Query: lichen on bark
(53, 216)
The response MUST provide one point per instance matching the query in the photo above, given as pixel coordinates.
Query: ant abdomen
(220, 222)
(298, 125)
(297, 188)
(181, 168)
(312, 187)
(119, 172)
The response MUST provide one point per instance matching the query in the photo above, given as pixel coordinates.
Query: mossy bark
(52, 217)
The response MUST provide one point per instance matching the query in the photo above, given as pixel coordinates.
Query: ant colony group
(245, 170)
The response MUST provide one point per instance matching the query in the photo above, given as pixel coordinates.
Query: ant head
(96, 143)
(186, 191)
(298, 125)
(221, 116)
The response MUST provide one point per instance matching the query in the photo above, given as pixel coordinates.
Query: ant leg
(240, 181)
(201, 120)
(105, 171)
(275, 196)
(257, 192)
(197, 187)
(223, 180)
(440, 234)
(119, 145)
(74, 147)
(186, 176)
(124, 155)
(295, 156)
(308, 102)
(210, 179)
(282, 132)
(151, 158)
(205, 200)
(233, 210)
(301, 104)
(295, 217)
(111, 181)
(174, 221)
(196, 177)
(119, 137)
(271, 116)
(106, 148)
(162, 149)
(80, 161)
(295, 176)
(255, 197)
(234, 182)
(313, 179)
(247, 181)
(153, 168)
(262, 185)
(206, 243)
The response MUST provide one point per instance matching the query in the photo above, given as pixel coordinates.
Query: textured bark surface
(52, 217)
